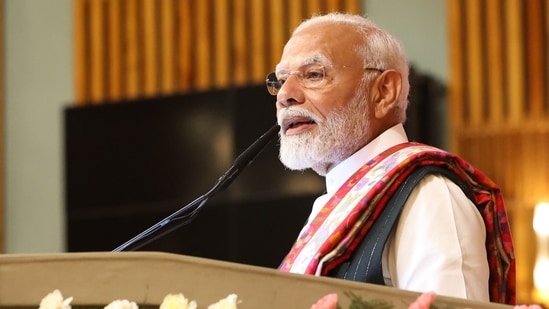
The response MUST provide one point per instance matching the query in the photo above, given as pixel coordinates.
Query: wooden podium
(95, 279)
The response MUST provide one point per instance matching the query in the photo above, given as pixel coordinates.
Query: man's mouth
(294, 125)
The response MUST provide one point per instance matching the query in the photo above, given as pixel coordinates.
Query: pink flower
(328, 302)
(425, 300)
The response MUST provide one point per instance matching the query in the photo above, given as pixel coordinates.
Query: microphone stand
(186, 214)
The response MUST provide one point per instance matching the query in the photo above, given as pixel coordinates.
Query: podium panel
(94, 279)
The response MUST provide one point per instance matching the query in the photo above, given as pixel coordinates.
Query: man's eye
(314, 75)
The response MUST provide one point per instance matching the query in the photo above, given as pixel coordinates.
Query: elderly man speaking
(395, 212)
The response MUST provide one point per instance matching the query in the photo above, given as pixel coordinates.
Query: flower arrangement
(330, 301)
(423, 301)
(55, 300)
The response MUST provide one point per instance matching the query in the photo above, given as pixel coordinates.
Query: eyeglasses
(310, 76)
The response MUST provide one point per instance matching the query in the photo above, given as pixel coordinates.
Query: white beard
(337, 137)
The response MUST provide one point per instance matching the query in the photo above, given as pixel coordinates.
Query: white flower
(177, 301)
(54, 300)
(122, 304)
(226, 303)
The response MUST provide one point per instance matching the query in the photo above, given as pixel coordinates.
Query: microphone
(186, 214)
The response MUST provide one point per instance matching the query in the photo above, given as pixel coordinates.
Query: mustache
(296, 112)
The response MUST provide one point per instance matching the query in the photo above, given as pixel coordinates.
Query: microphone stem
(244, 159)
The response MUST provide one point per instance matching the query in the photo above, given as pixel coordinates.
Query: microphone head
(248, 155)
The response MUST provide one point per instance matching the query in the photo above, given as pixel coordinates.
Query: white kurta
(439, 241)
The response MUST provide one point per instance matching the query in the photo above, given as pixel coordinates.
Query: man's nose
(290, 93)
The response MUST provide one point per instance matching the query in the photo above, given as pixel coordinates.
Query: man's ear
(385, 91)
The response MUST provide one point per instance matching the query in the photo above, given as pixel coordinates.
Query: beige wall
(420, 26)
(38, 83)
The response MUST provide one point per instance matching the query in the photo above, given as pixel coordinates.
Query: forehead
(323, 43)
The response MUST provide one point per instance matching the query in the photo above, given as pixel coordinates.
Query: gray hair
(379, 49)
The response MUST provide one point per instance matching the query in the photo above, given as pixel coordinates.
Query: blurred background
(115, 113)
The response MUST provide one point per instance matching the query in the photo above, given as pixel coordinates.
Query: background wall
(38, 77)
(421, 27)
(39, 74)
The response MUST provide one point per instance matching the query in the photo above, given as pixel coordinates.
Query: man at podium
(395, 212)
